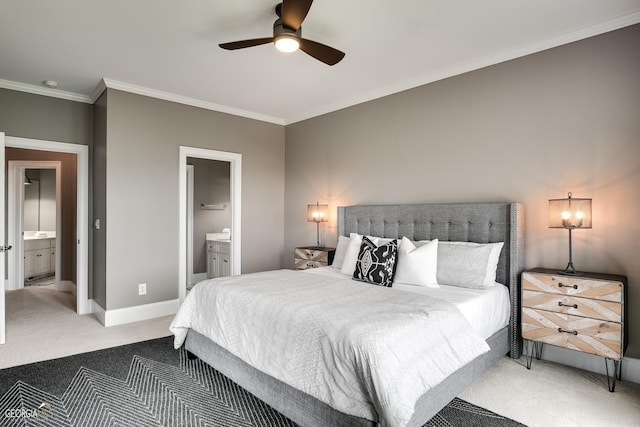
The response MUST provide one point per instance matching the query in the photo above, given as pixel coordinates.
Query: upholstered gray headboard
(468, 222)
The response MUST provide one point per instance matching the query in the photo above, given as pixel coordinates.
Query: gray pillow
(468, 264)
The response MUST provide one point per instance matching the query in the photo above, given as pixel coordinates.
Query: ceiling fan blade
(245, 43)
(294, 12)
(321, 52)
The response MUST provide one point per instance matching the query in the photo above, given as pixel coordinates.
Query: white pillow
(467, 264)
(341, 251)
(417, 265)
(351, 255)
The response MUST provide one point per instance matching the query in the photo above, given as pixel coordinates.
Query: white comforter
(365, 350)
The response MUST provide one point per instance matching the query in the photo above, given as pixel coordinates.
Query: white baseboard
(97, 310)
(589, 362)
(120, 316)
(67, 286)
(7, 287)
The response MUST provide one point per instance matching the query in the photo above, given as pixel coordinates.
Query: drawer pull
(567, 332)
(560, 304)
(561, 285)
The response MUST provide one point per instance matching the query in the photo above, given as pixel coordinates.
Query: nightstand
(312, 257)
(585, 313)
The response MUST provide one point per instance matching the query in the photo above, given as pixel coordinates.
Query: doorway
(80, 262)
(234, 160)
(34, 221)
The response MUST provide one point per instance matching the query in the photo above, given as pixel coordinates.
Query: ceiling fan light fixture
(287, 34)
(286, 43)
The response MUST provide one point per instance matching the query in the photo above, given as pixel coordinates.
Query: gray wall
(39, 117)
(98, 173)
(531, 129)
(31, 204)
(47, 199)
(143, 136)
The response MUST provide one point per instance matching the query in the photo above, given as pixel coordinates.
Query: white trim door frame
(82, 215)
(2, 240)
(235, 161)
(15, 218)
(189, 225)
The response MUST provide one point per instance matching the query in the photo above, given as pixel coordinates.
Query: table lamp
(317, 213)
(570, 214)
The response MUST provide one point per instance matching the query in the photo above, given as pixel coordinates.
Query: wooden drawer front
(592, 336)
(585, 307)
(303, 264)
(312, 254)
(574, 286)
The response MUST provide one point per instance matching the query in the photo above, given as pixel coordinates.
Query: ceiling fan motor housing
(279, 29)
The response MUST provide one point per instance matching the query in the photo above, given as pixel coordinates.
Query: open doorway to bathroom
(40, 227)
(208, 219)
(78, 229)
(209, 215)
(34, 227)
(42, 223)
(68, 239)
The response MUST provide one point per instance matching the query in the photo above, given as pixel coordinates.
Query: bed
(468, 222)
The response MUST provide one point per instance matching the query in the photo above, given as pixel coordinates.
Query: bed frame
(471, 222)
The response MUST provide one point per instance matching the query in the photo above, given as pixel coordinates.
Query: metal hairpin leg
(533, 347)
(617, 372)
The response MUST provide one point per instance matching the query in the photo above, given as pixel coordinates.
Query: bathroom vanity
(39, 256)
(218, 255)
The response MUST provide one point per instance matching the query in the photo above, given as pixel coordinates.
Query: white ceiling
(169, 48)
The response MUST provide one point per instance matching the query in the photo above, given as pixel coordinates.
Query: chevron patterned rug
(150, 384)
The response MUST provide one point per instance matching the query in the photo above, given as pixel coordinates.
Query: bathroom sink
(221, 237)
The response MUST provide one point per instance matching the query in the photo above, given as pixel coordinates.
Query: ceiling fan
(287, 34)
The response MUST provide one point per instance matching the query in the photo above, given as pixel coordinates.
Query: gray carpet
(150, 384)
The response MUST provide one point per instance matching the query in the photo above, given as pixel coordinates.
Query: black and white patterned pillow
(376, 264)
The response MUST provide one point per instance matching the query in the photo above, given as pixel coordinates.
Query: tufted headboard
(467, 222)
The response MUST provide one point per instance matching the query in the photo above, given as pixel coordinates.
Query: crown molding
(97, 92)
(158, 94)
(45, 91)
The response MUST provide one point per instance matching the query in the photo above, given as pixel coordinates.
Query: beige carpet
(42, 324)
(554, 395)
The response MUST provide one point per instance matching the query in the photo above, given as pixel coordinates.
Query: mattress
(487, 310)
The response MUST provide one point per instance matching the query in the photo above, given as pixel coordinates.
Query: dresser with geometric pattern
(312, 257)
(584, 313)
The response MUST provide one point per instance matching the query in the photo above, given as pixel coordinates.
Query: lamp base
(570, 270)
(570, 273)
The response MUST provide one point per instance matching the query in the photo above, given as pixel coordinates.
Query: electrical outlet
(142, 289)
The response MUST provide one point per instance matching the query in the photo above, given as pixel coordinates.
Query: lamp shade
(570, 213)
(317, 213)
